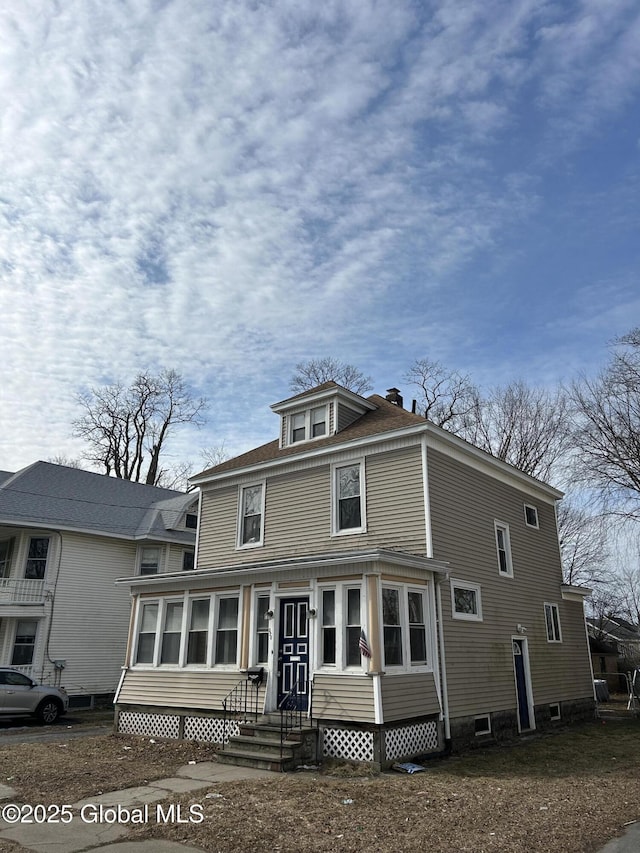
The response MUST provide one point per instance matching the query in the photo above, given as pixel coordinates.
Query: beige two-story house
(402, 585)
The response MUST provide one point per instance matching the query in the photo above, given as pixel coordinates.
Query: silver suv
(21, 696)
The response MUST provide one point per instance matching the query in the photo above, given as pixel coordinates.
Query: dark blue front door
(293, 650)
(521, 685)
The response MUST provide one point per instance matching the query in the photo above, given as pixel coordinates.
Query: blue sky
(230, 188)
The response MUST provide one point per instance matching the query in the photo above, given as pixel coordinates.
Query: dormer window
(309, 424)
(318, 422)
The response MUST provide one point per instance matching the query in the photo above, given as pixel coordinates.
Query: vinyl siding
(343, 697)
(409, 695)
(298, 513)
(178, 689)
(90, 614)
(173, 557)
(465, 503)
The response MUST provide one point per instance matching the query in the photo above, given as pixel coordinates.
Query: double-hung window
(503, 546)
(6, 547)
(312, 423)
(250, 523)
(24, 643)
(227, 630)
(149, 561)
(349, 498)
(552, 621)
(341, 624)
(37, 558)
(172, 631)
(198, 631)
(404, 620)
(147, 633)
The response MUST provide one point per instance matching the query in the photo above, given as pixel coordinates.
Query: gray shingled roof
(55, 496)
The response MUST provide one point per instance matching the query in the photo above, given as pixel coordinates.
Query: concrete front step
(259, 760)
(254, 743)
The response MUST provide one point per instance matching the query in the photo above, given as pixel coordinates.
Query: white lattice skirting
(160, 725)
(348, 744)
(168, 725)
(411, 740)
(210, 730)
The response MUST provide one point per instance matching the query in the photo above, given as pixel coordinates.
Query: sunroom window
(227, 631)
(404, 617)
(198, 631)
(147, 633)
(6, 547)
(171, 634)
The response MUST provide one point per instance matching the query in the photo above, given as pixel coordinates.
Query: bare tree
(214, 455)
(126, 429)
(66, 461)
(316, 371)
(607, 428)
(583, 546)
(446, 397)
(524, 426)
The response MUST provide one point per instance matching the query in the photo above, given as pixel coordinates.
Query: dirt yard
(565, 793)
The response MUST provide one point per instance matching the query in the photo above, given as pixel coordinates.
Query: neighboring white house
(65, 536)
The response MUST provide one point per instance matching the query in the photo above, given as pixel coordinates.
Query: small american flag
(365, 651)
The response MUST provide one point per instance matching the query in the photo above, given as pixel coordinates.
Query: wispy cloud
(227, 188)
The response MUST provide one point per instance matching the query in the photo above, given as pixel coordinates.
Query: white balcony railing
(21, 591)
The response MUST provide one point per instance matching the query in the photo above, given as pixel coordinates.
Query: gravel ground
(566, 793)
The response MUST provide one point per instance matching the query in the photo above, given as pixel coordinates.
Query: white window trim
(500, 525)
(558, 715)
(552, 606)
(240, 545)
(307, 424)
(406, 665)
(150, 547)
(261, 592)
(486, 731)
(335, 505)
(456, 583)
(535, 526)
(186, 599)
(341, 592)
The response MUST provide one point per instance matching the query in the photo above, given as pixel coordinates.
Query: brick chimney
(394, 396)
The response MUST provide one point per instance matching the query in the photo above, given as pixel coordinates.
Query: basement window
(554, 711)
(482, 725)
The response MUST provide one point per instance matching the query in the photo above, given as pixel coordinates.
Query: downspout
(444, 691)
(57, 670)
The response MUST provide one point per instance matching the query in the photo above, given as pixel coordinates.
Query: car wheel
(48, 711)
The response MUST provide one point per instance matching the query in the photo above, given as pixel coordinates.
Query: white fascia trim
(320, 561)
(318, 453)
(574, 593)
(437, 438)
(102, 534)
(302, 400)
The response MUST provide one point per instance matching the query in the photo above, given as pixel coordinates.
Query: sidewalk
(100, 823)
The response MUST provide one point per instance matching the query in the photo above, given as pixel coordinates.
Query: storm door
(521, 667)
(293, 651)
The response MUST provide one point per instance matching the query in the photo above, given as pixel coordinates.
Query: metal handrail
(240, 703)
(291, 710)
